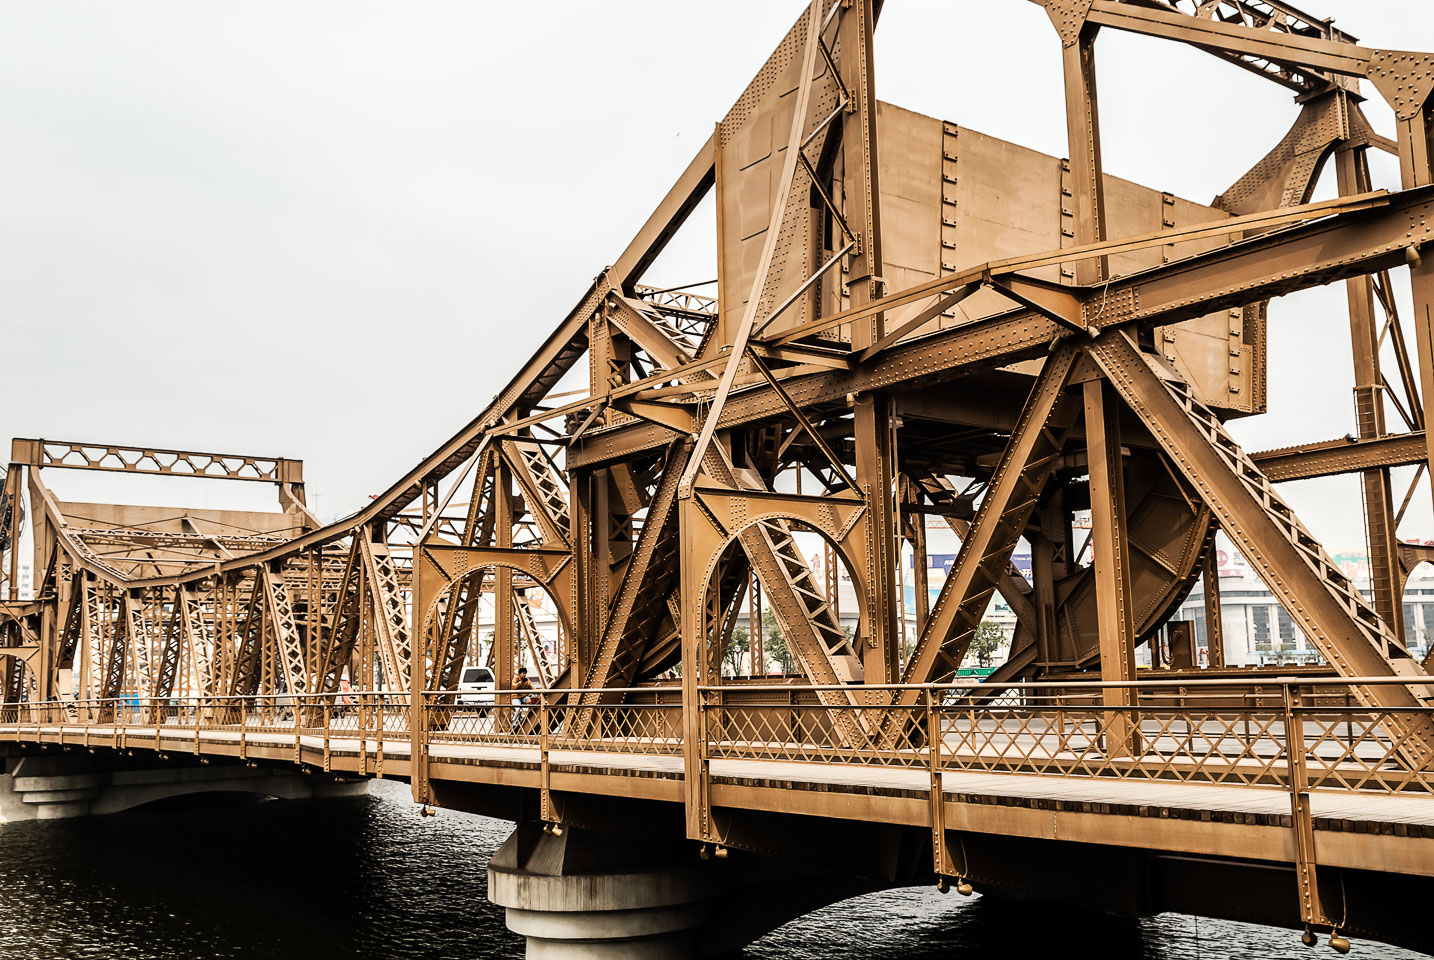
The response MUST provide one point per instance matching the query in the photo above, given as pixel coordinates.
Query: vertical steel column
(365, 629)
(504, 644)
(1083, 136)
(754, 624)
(832, 572)
(694, 657)
(881, 659)
(1385, 580)
(42, 665)
(1421, 281)
(861, 188)
(40, 535)
(1050, 554)
(1214, 624)
(1114, 609)
(1414, 132)
(881, 656)
(940, 855)
(602, 547)
(417, 684)
(585, 615)
(722, 332)
(1301, 820)
(545, 769)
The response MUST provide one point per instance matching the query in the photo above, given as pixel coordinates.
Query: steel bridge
(912, 322)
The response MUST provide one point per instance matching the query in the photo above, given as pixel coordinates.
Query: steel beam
(1115, 615)
(1011, 496)
(1317, 595)
(1329, 458)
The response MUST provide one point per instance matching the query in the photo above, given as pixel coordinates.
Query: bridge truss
(911, 320)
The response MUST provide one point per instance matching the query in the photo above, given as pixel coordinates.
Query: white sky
(332, 230)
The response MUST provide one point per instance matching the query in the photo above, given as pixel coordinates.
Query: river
(368, 877)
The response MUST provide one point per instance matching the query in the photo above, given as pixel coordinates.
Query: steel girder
(702, 413)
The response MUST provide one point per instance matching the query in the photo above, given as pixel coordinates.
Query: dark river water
(368, 877)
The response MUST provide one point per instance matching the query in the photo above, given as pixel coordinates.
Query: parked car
(475, 687)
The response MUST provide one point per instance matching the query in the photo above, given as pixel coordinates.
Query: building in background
(1258, 631)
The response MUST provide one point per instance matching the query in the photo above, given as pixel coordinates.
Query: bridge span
(702, 520)
(1216, 796)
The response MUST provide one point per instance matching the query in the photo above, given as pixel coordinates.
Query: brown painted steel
(908, 320)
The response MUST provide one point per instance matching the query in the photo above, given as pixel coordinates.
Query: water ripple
(369, 877)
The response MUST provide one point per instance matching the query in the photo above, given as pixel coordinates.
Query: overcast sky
(331, 230)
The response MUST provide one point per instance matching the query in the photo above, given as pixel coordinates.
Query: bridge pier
(61, 786)
(585, 895)
(590, 895)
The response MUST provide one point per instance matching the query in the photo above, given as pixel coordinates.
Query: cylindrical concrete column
(557, 897)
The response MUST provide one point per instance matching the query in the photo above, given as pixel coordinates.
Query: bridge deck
(1249, 818)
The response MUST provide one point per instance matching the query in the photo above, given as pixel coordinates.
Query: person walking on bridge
(523, 696)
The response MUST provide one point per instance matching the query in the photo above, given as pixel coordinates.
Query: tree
(988, 639)
(774, 644)
(737, 645)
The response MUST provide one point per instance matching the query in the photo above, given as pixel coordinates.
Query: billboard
(943, 562)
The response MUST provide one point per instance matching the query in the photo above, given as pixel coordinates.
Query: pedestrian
(523, 697)
(524, 684)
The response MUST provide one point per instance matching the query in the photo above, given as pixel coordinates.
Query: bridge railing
(126, 721)
(1294, 733)
(523, 718)
(1193, 731)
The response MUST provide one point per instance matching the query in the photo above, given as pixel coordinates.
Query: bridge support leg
(586, 895)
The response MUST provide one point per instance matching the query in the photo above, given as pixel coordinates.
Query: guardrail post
(1301, 821)
(695, 761)
(545, 782)
(1063, 739)
(361, 720)
(328, 716)
(704, 767)
(381, 733)
(941, 857)
(296, 711)
(418, 742)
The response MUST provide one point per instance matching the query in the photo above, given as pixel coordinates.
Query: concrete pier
(586, 896)
(59, 786)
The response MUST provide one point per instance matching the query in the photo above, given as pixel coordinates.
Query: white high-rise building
(1257, 630)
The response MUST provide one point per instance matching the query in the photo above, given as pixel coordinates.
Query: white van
(475, 687)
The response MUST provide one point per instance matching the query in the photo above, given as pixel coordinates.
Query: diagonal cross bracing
(545, 489)
(1311, 587)
(288, 644)
(982, 561)
(650, 577)
(389, 614)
